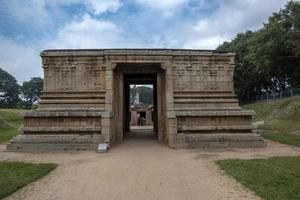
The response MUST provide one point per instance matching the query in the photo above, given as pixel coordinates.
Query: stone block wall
(62, 122)
(72, 82)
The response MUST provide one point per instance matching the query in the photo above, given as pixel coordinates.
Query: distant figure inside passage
(85, 100)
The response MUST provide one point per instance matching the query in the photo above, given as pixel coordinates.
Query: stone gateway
(85, 100)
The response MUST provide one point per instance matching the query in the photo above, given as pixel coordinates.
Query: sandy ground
(140, 168)
(134, 128)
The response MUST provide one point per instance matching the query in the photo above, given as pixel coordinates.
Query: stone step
(208, 113)
(63, 113)
(192, 100)
(57, 138)
(61, 129)
(70, 101)
(243, 140)
(214, 127)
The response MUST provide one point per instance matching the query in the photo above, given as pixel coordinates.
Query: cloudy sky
(29, 26)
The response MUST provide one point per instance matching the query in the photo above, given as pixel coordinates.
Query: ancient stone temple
(85, 100)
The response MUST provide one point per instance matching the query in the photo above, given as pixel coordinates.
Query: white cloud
(33, 21)
(231, 18)
(21, 61)
(159, 4)
(205, 42)
(89, 32)
(167, 7)
(36, 12)
(27, 12)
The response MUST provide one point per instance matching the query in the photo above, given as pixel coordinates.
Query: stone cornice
(158, 52)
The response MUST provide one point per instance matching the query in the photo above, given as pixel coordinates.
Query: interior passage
(140, 106)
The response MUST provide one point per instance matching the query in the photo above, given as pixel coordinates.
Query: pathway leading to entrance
(140, 169)
(139, 134)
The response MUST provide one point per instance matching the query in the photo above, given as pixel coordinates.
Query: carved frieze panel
(74, 76)
(205, 68)
(97, 78)
(180, 85)
(230, 72)
(71, 73)
(202, 74)
(213, 71)
(221, 69)
(180, 72)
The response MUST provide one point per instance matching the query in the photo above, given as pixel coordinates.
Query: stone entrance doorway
(85, 99)
(126, 74)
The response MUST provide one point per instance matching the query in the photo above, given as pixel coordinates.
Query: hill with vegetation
(281, 117)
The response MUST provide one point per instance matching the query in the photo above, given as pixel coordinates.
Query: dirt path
(140, 169)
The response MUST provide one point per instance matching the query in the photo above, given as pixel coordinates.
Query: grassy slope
(283, 138)
(273, 178)
(14, 175)
(282, 119)
(10, 121)
(280, 115)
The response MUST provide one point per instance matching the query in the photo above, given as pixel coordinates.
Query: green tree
(269, 58)
(9, 90)
(274, 48)
(245, 72)
(31, 91)
(133, 91)
(145, 94)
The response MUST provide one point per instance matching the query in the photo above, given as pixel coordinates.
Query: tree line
(13, 95)
(268, 60)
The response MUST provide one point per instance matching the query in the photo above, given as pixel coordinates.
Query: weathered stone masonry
(82, 101)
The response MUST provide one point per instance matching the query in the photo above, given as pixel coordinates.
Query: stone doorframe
(118, 119)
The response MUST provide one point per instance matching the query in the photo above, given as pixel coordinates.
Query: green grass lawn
(10, 121)
(15, 175)
(283, 138)
(272, 179)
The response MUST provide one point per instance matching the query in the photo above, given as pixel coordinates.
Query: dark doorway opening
(142, 114)
(140, 118)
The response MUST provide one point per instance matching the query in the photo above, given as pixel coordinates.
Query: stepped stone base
(37, 143)
(219, 141)
(216, 129)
